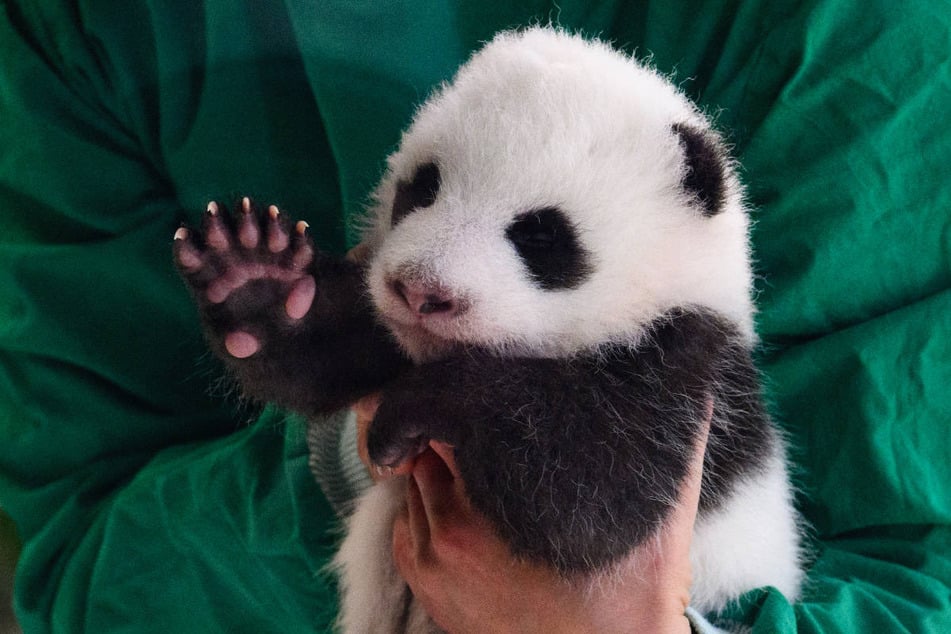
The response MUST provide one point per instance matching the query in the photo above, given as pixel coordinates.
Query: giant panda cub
(559, 286)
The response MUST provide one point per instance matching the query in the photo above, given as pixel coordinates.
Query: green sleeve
(149, 502)
(146, 501)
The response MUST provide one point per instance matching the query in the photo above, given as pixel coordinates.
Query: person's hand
(468, 581)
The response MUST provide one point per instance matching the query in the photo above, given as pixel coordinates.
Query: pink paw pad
(241, 345)
(301, 297)
(232, 251)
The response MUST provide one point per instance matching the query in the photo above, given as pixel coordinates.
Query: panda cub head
(555, 196)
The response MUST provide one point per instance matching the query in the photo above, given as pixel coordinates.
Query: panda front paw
(247, 271)
(292, 325)
(401, 429)
(423, 403)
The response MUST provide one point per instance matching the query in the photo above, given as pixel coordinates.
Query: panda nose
(425, 300)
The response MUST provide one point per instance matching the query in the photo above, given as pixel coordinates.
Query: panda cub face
(555, 196)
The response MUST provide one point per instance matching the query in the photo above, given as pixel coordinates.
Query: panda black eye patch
(548, 245)
(416, 194)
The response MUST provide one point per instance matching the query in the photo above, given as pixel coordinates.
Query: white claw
(277, 239)
(246, 204)
(301, 227)
(213, 208)
(181, 233)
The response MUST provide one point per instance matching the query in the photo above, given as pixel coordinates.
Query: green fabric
(147, 502)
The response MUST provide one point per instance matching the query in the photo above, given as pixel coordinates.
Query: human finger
(429, 496)
(405, 550)
(439, 491)
(689, 500)
(448, 454)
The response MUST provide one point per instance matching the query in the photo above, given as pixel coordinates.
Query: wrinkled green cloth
(149, 502)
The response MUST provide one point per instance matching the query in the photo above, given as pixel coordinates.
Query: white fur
(374, 596)
(752, 540)
(543, 118)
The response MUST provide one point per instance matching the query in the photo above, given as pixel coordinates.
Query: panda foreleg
(294, 326)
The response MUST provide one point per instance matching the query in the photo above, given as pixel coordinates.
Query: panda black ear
(706, 165)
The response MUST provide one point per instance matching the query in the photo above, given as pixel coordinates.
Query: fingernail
(181, 233)
(383, 471)
(213, 208)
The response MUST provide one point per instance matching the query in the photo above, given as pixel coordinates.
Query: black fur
(576, 461)
(317, 365)
(704, 178)
(548, 245)
(417, 194)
